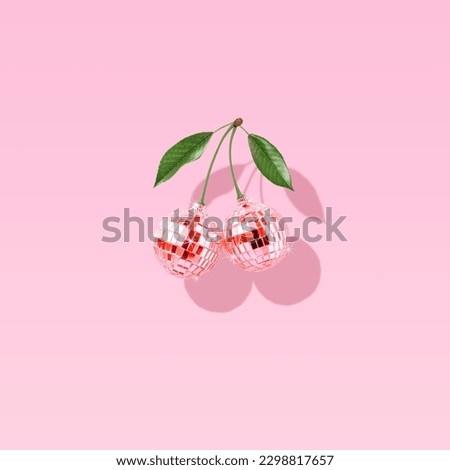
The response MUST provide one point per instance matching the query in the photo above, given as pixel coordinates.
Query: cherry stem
(239, 194)
(222, 127)
(205, 184)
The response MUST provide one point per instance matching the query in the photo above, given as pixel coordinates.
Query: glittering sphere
(254, 236)
(186, 248)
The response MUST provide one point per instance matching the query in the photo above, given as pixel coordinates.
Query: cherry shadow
(294, 279)
(223, 289)
(290, 282)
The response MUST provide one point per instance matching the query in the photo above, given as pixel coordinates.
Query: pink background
(345, 346)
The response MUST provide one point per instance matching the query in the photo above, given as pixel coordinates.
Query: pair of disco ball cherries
(255, 237)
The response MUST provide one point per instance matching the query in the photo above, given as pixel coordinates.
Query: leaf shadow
(305, 197)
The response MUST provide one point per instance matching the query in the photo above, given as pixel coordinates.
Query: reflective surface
(184, 249)
(254, 237)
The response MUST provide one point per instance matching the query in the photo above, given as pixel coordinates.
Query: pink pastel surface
(347, 346)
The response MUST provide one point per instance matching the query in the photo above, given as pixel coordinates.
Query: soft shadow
(288, 283)
(294, 279)
(305, 197)
(223, 289)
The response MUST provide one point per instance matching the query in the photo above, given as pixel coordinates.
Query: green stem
(222, 127)
(205, 184)
(239, 195)
(244, 130)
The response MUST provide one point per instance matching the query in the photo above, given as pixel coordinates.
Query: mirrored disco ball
(254, 237)
(185, 249)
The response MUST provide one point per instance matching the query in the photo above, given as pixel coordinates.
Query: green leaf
(269, 161)
(185, 151)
